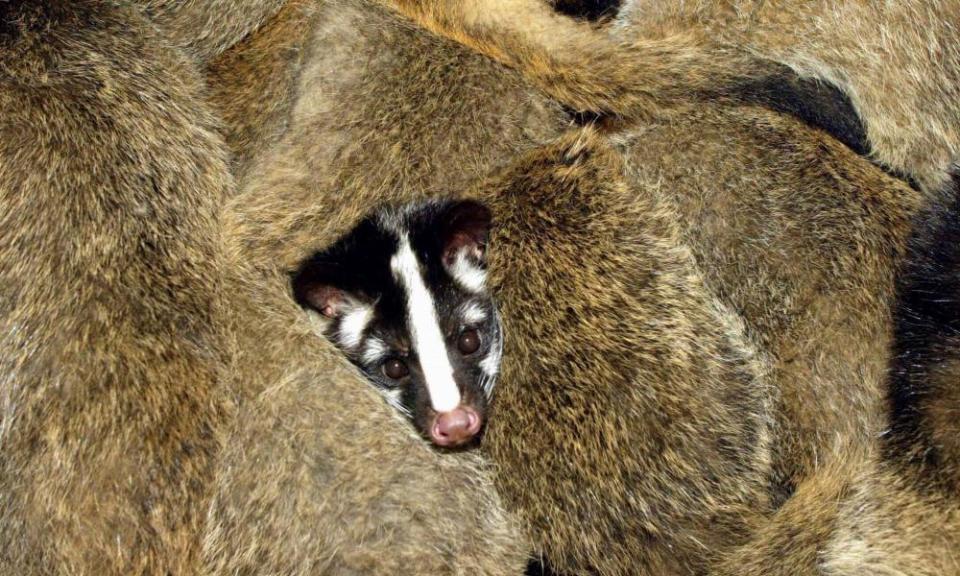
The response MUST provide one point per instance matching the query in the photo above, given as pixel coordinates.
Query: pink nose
(455, 427)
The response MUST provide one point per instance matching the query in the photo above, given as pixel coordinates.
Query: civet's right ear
(327, 300)
(314, 287)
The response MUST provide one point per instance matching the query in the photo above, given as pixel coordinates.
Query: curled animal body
(696, 307)
(897, 64)
(157, 396)
(111, 343)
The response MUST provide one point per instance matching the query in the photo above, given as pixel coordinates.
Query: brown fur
(632, 424)
(379, 109)
(847, 222)
(857, 515)
(111, 343)
(318, 476)
(163, 410)
(898, 63)
(203, 29)
(147, 373)
(735, 229)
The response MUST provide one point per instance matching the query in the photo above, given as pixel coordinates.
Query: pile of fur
(723, 238)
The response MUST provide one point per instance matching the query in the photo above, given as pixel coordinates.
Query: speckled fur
(163, 408)
(898, 62)
(203, 29)
(110, 175)
(697, 308)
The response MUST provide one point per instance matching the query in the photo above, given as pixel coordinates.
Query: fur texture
(111, 343)
(925, 369)
(203, 29)
(697, 308)
(162, 408)
(898, 63)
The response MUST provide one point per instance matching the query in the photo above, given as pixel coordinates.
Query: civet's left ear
(466, 228)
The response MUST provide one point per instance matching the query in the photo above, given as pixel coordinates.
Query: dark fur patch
(358, 263)
(539, 568)
(815, 102)
(588, 9)
(927, 315)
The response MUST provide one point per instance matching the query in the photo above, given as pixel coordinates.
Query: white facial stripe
(355, 320)
(374, 350)
(472, 313)
(393, 399)
(425, 330)
(467, 275)
(491, 364)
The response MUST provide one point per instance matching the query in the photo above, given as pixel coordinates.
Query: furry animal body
(678, 395)
(158, 397)
(167, 407)
(898, 63)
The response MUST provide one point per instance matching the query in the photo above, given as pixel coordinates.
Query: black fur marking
(539, 568)
(588, 9)
(815, 102)
(358, 263)
(926, 327)
(358, 268)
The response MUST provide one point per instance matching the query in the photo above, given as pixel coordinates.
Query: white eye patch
(472, 313)
(354, 322)
(374, 350)
(467, 274)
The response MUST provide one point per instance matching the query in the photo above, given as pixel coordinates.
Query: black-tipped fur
(924, 379)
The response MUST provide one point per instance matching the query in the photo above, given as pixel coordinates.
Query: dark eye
(395, 368)
(469, 341)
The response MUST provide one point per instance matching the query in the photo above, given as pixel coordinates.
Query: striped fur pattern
(404, 296)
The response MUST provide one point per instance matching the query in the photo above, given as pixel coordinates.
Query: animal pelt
(162, 411)
(634, 426)
(925, 368)
(319, 476)
(203, 29)
(707, 293)
(859, 514)
(379, 108)
(111, 172)
(897, 63)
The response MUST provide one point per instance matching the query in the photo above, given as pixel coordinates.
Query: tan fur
(110, 176)
(267, 65)
(379, 109)
(154, 363)
(898, 62)
(205, 28)
(718, 278)
(582, 68)
(162, 408)
(857, 515)
(632, 424)
(318, 476)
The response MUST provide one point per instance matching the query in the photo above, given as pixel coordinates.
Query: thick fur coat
(760, 252)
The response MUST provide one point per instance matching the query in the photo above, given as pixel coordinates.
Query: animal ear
(313, 288)
(466, 227)
(327, 300)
